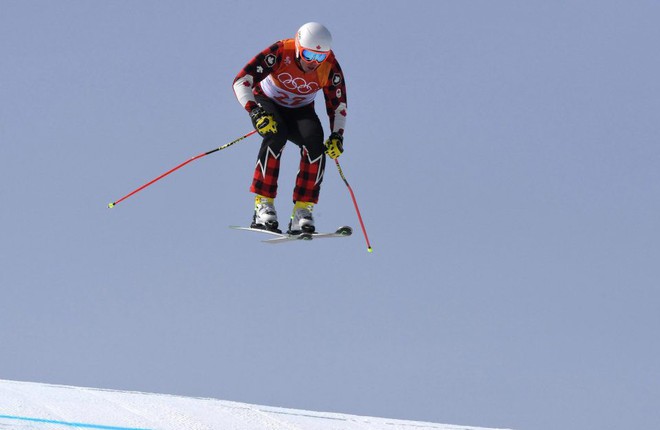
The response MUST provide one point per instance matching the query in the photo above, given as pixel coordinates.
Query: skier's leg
(308, 135)
(267, 169)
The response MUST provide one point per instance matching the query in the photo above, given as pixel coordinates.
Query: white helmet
(313, 36)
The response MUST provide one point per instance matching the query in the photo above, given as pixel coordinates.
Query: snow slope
(25, 405)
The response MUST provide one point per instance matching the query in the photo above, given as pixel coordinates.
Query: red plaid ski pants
(302, 127)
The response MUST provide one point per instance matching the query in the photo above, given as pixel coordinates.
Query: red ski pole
(341, 173)
(196, 157)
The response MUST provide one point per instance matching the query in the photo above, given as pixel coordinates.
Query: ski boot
(302, 220)
(265, 216)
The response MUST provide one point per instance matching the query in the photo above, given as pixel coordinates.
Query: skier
(277, 88)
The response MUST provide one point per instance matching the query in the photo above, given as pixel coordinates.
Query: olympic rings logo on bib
(297, 84)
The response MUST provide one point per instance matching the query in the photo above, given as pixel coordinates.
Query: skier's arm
(254, 72)
(335, 98)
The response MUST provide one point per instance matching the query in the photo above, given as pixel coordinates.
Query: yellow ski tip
(111, 205)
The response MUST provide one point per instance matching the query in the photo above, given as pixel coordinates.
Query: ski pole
(341, 173)
(196, 157)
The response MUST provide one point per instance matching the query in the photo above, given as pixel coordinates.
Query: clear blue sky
(505, 155)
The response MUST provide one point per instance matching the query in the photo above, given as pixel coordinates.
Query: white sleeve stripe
(244, 92)
(340, 117)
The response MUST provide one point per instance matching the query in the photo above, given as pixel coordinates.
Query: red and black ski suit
(274, 80)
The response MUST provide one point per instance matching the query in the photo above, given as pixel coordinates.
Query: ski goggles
(310, 55)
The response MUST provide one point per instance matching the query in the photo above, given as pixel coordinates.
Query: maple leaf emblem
(270, 60)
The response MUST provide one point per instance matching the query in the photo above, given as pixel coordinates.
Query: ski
(343, 231)
(258, 230)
